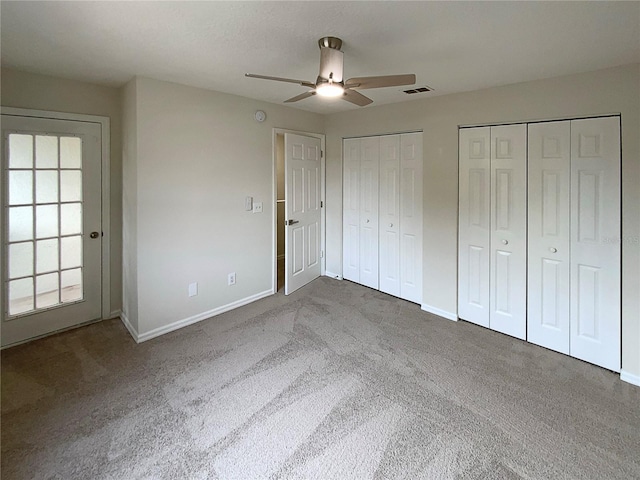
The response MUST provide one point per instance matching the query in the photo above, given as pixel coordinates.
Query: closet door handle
(391, 225)
(553, 250)
(367, 220)
(505, 242)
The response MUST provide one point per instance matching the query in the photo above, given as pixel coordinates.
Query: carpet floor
(336, 381)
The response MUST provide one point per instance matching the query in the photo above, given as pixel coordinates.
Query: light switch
(193, 289)
(248, 204)
(257, 207)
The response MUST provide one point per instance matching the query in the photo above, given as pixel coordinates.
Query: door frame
(274, 203)
(105, 141)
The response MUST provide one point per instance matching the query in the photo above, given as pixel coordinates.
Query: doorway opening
(280, 211)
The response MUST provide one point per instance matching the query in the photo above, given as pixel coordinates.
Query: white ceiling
(450, 46)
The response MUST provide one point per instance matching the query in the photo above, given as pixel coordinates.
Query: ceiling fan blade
(383, 81)
(356, 98)
(302, 96)
(280, 79)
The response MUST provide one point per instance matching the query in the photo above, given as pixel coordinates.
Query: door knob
(391, 225)
(505, 242)
(367, 220)
(94, 234)
(553, 250)
(290, 222)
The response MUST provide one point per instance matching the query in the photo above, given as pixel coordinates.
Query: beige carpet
(334, 382)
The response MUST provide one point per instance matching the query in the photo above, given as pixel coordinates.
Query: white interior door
(595, 241)
(474, 232)
(411, 217)
(302, 207)
(549, 166)
(508, 270)
(390, 214)
(52, 225)
(369, 174)
(351, 210)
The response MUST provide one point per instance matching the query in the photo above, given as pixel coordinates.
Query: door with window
(51, 218)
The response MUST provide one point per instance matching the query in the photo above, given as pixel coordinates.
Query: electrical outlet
(257, 207)
(193, 289)
(231, 279)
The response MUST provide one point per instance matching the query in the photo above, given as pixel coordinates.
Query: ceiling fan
(330, 82)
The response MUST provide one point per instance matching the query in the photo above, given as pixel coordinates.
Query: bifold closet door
(474, 228)
(550, 238)
(390, 214)
(508, 268)
(492, 266)
(382, 213)
(574, 231)
(351, 210)
(549, 152)
(411, 217)
(369, 175)
(360, 210)
(595, 241)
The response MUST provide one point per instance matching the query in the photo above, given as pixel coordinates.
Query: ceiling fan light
(330, 90)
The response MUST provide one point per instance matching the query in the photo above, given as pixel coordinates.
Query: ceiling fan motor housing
(331, 61)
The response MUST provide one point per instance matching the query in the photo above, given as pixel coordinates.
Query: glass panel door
(51, 212)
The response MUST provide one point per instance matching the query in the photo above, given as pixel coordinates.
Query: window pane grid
(52, 166)
(49, 238)
(44, 272)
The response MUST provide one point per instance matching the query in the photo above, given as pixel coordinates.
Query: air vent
(418, 90)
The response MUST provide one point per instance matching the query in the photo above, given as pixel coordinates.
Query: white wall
(40, 92)
(615, 90)
(199, 154)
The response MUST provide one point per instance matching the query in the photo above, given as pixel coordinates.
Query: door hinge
(321, 154)
(321, 204)
(321, 253)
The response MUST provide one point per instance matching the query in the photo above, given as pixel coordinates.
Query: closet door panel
(369, 174)
(351, 210)
(595, 241)
(508, 268)
(390, 214)
(474, 231)
(411, 217)
(549, 166)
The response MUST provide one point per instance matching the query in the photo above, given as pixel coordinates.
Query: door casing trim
(105, 140)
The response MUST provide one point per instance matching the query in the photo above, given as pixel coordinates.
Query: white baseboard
(132, 331)
(156, 332)
(439, 312)
(332, 275)
(630, 378)
(115, 314)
